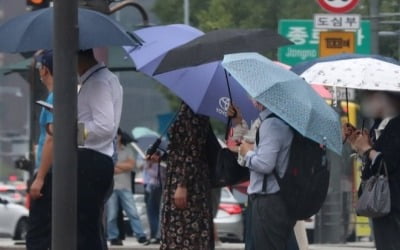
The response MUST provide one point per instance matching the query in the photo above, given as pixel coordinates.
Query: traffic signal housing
(37, 4)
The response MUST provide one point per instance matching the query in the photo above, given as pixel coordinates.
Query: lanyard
(90, 75)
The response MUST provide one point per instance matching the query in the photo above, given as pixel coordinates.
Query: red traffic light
(37, 4)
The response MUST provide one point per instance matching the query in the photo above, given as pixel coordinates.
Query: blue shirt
(271, 153)
(46, 118)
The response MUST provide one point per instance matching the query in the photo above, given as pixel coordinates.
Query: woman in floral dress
(186, 216)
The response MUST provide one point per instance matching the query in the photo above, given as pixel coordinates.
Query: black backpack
(305, 183)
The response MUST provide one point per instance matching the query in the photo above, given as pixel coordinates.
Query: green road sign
(306, 40)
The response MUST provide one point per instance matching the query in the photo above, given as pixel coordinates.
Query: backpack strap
(264, 185)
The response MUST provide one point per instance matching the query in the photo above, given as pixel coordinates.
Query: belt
(255, 196)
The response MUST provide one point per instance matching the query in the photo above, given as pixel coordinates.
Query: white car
(14, 220)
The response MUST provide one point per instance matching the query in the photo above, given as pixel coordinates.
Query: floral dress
(190, 228)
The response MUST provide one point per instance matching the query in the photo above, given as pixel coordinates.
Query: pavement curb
(230, 247)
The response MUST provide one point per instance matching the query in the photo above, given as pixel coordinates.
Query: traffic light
(37, 4)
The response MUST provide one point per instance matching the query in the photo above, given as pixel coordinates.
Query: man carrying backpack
(270, 221)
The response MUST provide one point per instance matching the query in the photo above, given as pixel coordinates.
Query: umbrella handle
(153, 148)
(347, 105)
(228, 126)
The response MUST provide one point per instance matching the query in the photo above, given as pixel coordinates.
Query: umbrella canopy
(214, 45)
(34, 30)
(159, 40)
(321, 90)
(204, 88)
(361, 73)
(288, 96)
(18, 67)
(301, 67)
(139, 132)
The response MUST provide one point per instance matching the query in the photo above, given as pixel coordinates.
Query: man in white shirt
(99, 109)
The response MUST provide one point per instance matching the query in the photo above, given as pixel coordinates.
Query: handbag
(374, 201)
(223, 165)
(228, 171)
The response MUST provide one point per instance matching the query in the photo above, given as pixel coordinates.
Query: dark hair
(86, 54)
(394, 98)
(125, 138)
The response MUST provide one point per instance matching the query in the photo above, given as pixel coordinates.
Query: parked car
(14, 220)
(13, 194)
(229, 219)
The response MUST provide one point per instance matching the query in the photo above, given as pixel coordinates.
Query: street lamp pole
(65, 43)
(186, 12)
(374, 13)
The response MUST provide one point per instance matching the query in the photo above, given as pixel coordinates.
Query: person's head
(44, 64)
(119, 136)
(123, 138)
(380, 104)
(86, 60)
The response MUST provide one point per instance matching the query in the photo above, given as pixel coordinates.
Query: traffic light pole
(65, 42)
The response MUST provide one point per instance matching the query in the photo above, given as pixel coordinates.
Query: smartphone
(45, 105)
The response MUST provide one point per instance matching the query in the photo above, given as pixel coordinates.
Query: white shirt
(100, 107)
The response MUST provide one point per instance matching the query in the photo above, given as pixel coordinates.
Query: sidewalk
(132, 245)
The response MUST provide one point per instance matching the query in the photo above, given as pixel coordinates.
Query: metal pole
(374, 13)
(398, 37)
(65, 39)
(186, 12)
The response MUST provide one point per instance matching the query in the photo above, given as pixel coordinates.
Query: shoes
(116, 242)
(144, 241)
(155, 241)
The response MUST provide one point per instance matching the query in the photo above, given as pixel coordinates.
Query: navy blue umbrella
(302, 67)
(34, 30)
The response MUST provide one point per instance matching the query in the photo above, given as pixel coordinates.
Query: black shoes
(116, 242)
(155, 241)
(144, 241)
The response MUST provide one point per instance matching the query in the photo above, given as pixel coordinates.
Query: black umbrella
(34, 30)
(213, 45)
(146, 142)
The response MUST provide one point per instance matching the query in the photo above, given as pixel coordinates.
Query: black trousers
(95, 181)
(387, 232)
(271, 224)
(39, 222)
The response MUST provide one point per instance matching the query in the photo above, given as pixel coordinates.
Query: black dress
(387, 229)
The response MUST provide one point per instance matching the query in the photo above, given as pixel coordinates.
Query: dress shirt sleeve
(274, 134)
(102, 109)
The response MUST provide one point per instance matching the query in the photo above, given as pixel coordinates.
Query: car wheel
(22, 229)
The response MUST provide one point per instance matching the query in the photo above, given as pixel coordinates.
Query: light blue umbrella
(139, 132)
(288, 96)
